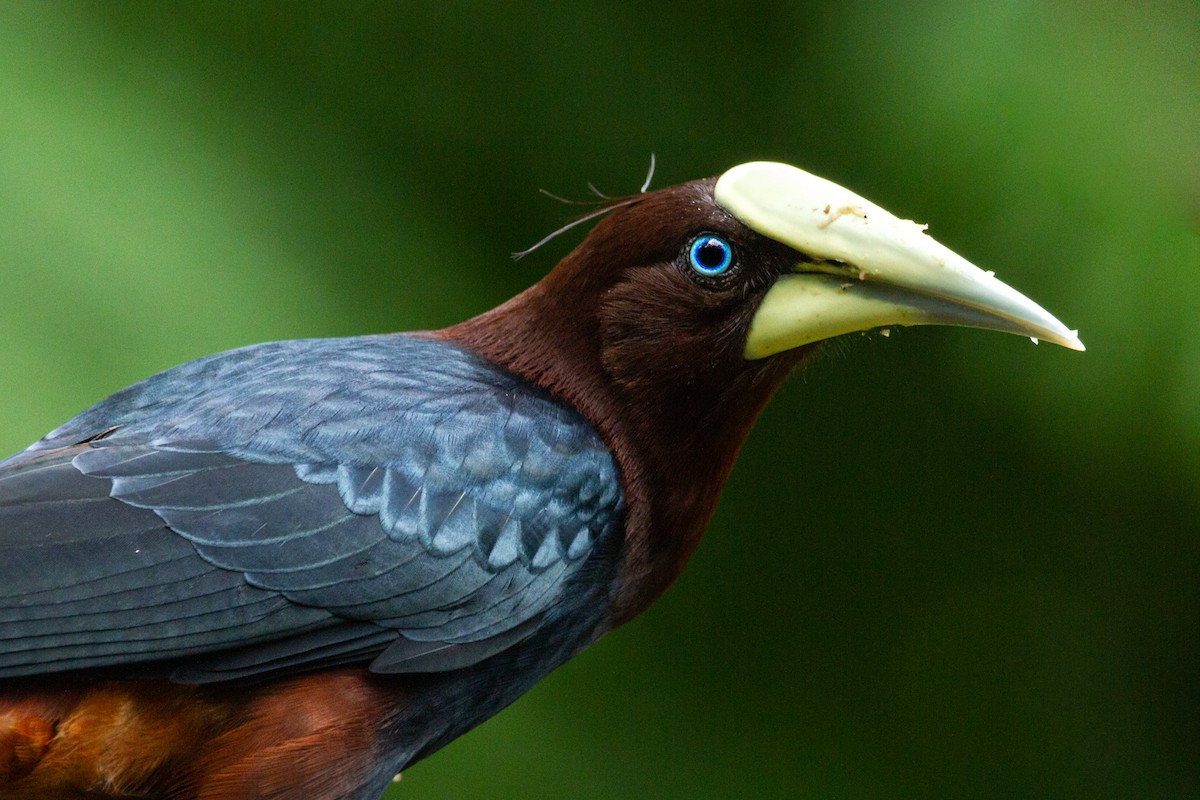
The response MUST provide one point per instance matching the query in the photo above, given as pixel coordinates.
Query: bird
(292, 570)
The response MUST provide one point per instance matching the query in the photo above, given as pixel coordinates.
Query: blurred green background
(949, 563)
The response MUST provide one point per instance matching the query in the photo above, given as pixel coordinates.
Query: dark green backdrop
(949, 563)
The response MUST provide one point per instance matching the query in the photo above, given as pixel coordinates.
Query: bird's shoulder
(349, 399)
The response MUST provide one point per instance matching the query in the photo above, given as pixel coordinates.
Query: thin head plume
(608, 204)
(591, 215)
(645, 183)
(566, 201)
(649, 175)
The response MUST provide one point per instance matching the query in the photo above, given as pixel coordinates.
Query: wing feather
(286, 507)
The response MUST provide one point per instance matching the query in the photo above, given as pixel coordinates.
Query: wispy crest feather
(605, 202)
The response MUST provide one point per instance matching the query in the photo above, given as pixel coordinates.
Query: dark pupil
(711, 254)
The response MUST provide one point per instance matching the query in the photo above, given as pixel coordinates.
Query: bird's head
(673, 322)
(682, 299)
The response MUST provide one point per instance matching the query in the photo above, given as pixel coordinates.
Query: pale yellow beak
(862, 268)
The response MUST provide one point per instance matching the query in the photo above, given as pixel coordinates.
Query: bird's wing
(301, 504)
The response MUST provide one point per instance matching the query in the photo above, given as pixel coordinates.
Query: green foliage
(949, 563)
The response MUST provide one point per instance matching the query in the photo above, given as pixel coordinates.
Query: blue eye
(710, 255)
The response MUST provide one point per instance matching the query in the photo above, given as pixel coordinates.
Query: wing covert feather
(298, 504)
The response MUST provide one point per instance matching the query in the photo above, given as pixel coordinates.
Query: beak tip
(1071, 341)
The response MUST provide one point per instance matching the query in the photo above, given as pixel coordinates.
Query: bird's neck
(675, 445)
